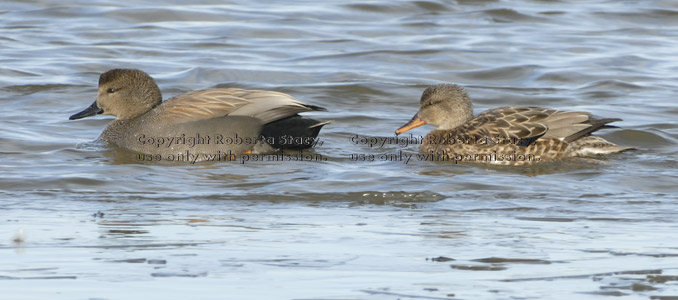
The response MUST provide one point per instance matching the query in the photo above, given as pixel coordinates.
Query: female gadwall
(505, 135)
(219, 121)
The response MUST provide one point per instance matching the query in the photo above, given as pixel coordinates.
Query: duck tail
(595, 145)
(315, 108)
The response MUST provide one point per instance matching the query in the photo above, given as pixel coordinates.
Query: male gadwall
(505, 135)
(218, 121)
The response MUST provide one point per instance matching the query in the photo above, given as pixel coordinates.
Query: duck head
(123, 93)
(445, 106)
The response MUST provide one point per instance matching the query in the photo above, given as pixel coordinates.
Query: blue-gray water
(340, 229)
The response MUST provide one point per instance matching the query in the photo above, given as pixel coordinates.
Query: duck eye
(430, 103)
(110, 90)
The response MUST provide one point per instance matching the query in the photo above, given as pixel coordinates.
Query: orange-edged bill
(413, 123)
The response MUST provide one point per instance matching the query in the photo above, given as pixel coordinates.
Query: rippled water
(83, 221)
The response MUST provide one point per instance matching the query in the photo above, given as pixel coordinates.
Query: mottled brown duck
(505, 135)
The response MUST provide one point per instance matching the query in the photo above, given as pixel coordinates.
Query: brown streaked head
(445, 106)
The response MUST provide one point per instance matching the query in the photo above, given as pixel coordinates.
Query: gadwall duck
(217, 121)
(505, 135)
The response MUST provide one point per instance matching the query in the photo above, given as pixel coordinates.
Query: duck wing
(524, 125)
(266, 106)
